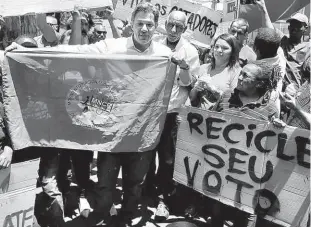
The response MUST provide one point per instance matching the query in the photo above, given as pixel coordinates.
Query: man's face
(100, 33)
(247, 79)
(175, 27)
(296, 29)
(52, 22)
(143, 27)
(239, 31)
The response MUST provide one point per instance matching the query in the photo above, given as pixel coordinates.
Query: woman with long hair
(219, 75)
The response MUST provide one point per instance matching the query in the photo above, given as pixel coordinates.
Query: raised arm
(115, 31)
(75, 35)
(266, 21)
(47, 31)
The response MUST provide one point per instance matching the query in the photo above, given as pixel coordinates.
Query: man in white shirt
(175, 26)
(144, 22)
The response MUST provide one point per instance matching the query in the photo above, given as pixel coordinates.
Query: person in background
(299, 103)
(267, 47)
(239, 29)
(93, 34)
(175, 25)
(218, 76)
(295, 50)
(99, 33)
(255, 95)
(84, 27)
(48, 25)
(205, 55)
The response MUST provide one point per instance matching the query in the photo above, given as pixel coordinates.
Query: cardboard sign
(17, 209)
(23, 7)
(202, 21)
(229, 10)
(202, 35)
(245, 163)
(17, 194)
(19, 175)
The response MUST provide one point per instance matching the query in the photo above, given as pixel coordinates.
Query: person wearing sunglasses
(99, 33)
(48, 25)
(175, 26)
(239, 29)
(294, 48)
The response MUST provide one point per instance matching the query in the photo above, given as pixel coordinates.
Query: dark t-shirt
(295, 55)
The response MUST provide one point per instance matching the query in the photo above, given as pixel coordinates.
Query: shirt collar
(130, 45)
(180, 43)
(235, 101)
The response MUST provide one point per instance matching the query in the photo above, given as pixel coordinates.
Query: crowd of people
(270, 81)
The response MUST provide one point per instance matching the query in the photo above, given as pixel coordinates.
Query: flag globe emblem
(91, 104)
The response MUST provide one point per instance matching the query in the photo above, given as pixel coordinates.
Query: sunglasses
(101, 32)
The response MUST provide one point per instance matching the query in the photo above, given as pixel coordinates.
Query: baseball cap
(299, 17)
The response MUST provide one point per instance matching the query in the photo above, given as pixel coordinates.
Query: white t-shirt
(189, 53)
(227, 79)
(278, 60)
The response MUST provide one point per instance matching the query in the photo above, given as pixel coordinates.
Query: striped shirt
(302, 102)
(263, 109)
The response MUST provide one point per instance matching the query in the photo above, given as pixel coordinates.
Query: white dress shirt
(189, 53)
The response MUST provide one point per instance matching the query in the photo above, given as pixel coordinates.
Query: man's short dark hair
(242, 22)
(267, 42)
(147, 7)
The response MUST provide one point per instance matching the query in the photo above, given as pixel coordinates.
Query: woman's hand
(277, 122)
(200, 86)
(288, 100)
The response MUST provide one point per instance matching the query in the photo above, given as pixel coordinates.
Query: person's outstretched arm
(75, 35)
(47, 31)
(266, 21)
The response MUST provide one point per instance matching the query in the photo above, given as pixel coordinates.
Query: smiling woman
(219, 75)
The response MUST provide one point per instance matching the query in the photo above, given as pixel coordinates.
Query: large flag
(278, 9)
(111, 103)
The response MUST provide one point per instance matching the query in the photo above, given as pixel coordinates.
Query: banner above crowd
(278, 9)
(202, 21)
(23, 7)
(246, 163)
(114, 103)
